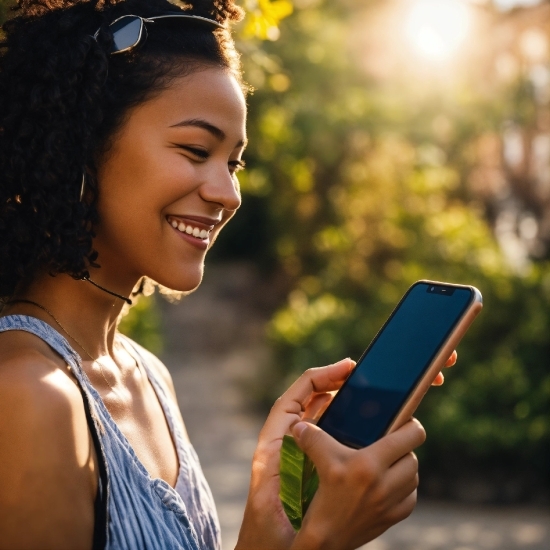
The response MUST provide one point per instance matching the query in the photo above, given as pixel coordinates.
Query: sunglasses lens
(126, 33)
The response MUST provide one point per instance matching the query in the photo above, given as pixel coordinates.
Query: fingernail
(298, 429)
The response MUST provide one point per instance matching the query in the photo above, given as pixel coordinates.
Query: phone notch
(440, 289)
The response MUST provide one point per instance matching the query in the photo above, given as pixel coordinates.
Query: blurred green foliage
(365, 185)
(143, 324)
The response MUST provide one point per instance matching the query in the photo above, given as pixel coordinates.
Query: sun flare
(436, 28)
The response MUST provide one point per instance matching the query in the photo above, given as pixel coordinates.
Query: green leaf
(299, 481)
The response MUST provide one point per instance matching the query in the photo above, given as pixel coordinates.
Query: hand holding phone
(361, 493)
(398, 367)
(378, 397)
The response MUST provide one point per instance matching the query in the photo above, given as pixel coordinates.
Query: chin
(186, 283)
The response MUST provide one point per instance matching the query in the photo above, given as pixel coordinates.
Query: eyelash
(197, 152)
(238, 165)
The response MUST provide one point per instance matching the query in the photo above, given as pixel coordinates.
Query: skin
(381, 478)
(155, 169)
(174, 159)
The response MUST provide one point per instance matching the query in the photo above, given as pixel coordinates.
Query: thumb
(318, 445)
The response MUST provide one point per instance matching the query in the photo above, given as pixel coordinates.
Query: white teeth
(195, 231)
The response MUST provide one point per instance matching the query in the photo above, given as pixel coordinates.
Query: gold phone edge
(424, 384)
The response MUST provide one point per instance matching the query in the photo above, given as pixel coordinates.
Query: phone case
(411, 404)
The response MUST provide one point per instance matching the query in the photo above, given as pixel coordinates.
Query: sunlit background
(437, 29)
(394, 140)
(390, 140)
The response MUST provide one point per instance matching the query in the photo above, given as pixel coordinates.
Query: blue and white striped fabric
(143, 513)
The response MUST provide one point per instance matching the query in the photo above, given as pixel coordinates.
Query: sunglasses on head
(129, 30)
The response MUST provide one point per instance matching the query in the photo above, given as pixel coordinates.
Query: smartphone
(397, 369)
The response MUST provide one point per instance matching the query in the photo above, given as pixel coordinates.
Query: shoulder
(32, 373)
(46, 464)
(37, 398)
(29, 365)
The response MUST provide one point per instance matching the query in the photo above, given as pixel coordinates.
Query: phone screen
(389, 370)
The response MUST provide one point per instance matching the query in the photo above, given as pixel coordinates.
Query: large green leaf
(299, 481)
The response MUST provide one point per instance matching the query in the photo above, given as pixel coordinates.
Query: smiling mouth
(189, 228)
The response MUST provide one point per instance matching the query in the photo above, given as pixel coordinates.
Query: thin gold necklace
(43, 308)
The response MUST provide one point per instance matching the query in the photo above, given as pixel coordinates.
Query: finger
(402, 478)
(290, 407)
(403, 510)
(322, 379)
(318, 445)
(452, 359)
(439, 379)
(293, 406)
(397, 512)
(394, 446)
(317, 405)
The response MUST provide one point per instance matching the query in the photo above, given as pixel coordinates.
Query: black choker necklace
(127, 300)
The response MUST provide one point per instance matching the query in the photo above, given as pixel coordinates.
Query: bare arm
(47, 460)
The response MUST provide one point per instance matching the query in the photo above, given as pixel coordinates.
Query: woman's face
(168, 183)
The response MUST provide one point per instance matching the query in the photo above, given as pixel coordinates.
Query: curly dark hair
(62, 99)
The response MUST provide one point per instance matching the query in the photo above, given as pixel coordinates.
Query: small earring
(83, 186)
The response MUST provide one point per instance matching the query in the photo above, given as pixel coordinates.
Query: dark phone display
(374, 393)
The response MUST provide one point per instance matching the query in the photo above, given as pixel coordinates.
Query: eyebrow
(205, 125)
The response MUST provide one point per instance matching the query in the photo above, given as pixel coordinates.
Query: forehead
(210, 94)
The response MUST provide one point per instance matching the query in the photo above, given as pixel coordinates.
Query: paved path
(214, 346)
(451, 526)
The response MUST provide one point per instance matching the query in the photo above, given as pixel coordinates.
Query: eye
(195, 151)
(236, 166)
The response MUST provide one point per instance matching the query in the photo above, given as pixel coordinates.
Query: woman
(122, 126)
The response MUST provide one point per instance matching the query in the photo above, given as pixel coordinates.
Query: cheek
(140, 166)
(138, 188)
(128, 219)
(133, 232)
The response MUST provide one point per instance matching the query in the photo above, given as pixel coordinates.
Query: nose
(221, 187)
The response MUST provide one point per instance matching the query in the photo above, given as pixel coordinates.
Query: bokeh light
(436, 28)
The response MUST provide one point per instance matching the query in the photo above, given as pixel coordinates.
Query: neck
(89, 314)
(112, 293)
